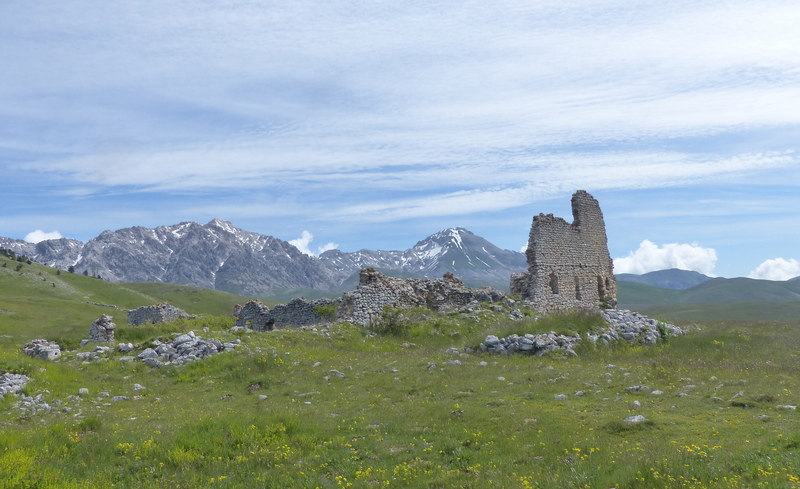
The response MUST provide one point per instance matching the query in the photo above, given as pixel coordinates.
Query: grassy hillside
(37, 301)
(345, 407)
(196, 300)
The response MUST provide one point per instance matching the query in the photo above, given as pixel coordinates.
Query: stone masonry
(569, 263)
(158, 313)
(375, 291)
(298, 312)
(43, 349)
(254, 315)
(102, 330)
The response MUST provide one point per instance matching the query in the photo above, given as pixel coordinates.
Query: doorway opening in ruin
(578, 289)
(601, 289)
(270, 325)
(554, 283)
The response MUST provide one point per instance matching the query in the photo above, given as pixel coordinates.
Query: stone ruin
(253, 315)
(569, 264)
(101, 331)
(375, 291)
(158, 313)
(298, 312)
(42, 349)
(360, 306)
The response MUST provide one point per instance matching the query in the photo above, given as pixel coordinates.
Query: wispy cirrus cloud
(324, 111)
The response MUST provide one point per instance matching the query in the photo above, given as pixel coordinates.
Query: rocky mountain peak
(219, 255)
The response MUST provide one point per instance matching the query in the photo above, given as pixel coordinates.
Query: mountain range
(218, 255)
(221, 256)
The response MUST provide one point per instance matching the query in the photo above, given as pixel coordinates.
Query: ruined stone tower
(569, 266)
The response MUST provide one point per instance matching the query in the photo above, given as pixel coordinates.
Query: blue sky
(376, 124)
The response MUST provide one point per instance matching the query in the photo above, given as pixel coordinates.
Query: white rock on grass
(638, 418)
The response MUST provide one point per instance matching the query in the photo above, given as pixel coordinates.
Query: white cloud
(39, 235)
(777, 269)
(650, 257)
(305, 239)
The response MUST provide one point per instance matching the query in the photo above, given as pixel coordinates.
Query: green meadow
(405, 403)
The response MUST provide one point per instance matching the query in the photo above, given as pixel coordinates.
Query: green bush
(327, 312)
(391, 322)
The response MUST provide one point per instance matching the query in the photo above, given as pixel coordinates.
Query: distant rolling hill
(672, 278)
(719, 298)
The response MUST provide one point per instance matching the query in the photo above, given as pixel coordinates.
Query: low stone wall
(623, 325)
(158, 313)
(376, 291)
(298, 312)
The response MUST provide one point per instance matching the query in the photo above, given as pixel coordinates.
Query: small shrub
(327, 312)
(390, 322)
(67, 343)
(90, 424)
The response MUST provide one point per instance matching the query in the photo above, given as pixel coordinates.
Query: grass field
(342, 407)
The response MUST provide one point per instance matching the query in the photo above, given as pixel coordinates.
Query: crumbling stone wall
(158, 313)
(375, 291)
(298, 312)
(254, 315)
(569, 263)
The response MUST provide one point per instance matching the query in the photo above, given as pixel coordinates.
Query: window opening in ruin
(577, 288)
(601, 290)
(554, 283)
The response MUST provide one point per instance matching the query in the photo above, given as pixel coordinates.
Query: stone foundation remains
(623, 325)
(375, 291)
(43, 349)
(569, 263)
(158, 313)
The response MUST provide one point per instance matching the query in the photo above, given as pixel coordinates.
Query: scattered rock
(12, 383)
(183, 349)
